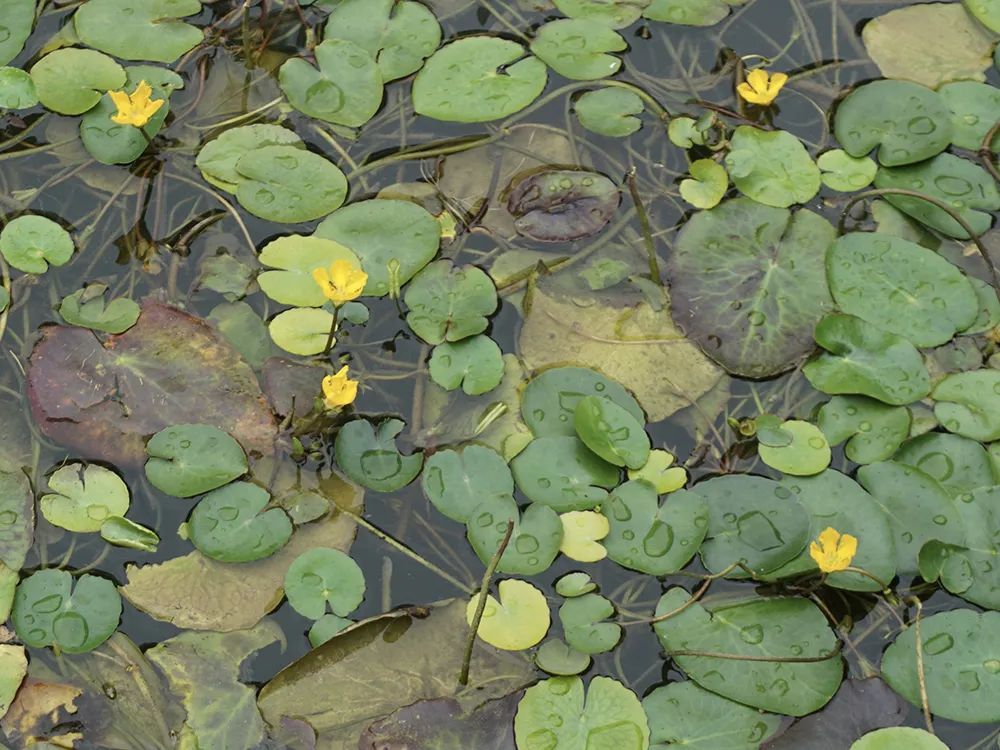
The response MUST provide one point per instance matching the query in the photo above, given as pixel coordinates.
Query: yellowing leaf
(581, 531)
(518, 621)
(660, 472)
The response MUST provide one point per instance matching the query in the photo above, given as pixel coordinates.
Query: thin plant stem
(921, 676)
(647, 235)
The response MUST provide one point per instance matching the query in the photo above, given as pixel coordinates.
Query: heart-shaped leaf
(288, 184)
(772, 167)
(548, 404)
(234, 524)
(82, 497)
(70, 81)
(189, 459)
(32, 243)
(583, 624)
(138, 29)
(968, 403)
(610, 111)
(474, 363)
(577, 48)
(456, 482)
(345, 89)
(611, 432)
(562, 473)
(88, 309)
(519, 620)
(534, 543)
(449, 303)
(370, 457)
(582, 532)
(873, 430)
(324, 576)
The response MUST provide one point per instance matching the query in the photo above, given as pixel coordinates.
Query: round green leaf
(652, 536)
(456, 482)
(577, 48)
(478, 79)
(958, 464)
(899, 738)
(907, 121)
(70, 81)
(233, 524)
(581, 619)
(122, 532)
(968, 403)
(682, 713)
(138, 29)
(324, 576)
(753, 521)
(326, 627)
(845, 173)
(302, 331)
(86, 308)
(575, 584)
(217, 159)
(975, 108)
(475, 363)
(449, 303)
(772, 167)
(552, 715)
(707, 185)
(17, 90)
(807, 454)
(614, 13)
(346, 89)
(610, 111)
(873, 430)
(370, 457)
(961, 665)
(549, 401)
(83, 497)
(383, 234)
(611, 432)
(284, 183)
(689, 12)
(987, 12)
(865, 360)
(556, 658)
(562, 473)
(18, 18)
(51, 609)
(189, 459)
(534, 543)
(31, 243)
(297, 257)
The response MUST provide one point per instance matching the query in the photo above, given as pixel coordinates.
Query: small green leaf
(518, 620)
(873, 430)
(449, 303)
(968, 403)
(559, 659)
(561, 472)
(139, 29)
(975, 107)
(287, 184)
(371, 458)
(345, 89)
(189, 459)
(13, 668)
(17, 90)
(70, 81)
(122, 532)
(303, 331)
(807, 454)
(899, 738)
(534, 543)
(84, 497)
(18, 18)
(707, 185)
(582, 617)
(31, 243)
(611, 432)
(326, 628)
(324, 576)
(234, 524)
(772, 167)
(575, 584)
(577, 48)
(474, 363)
(457, 482)
(845, 173)
(610, 111)
(297, 257)
(217, 159)
(549, 401)
(87, 308)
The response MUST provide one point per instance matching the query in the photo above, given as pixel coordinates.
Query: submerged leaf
(562, 205)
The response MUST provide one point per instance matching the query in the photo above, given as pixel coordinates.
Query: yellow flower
(761, 88)
(342, 283)
(832, 550)
(136, 109)
(339, 390)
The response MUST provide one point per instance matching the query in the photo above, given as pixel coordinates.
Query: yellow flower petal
(339, 390)
(135, 109)
(581, 531)
(518, 621)
(833, 551)
(761, 88)
(342, 283)
(757, 79)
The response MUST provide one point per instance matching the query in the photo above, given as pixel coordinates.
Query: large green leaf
(53, 609)
(449, 303)
(287, 184)
(345, 89)
(534, 543)
(458, 481)
(968, 403)
(370, 457)
(578, 48)
(562, 473)
(747, 283)
(18, 18)
(324, 576)
(959, 464)
(138, 29)
(771, 166)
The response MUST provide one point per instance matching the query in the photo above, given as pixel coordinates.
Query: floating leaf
(659, 471)
(682, 713)
(122, 532)
(518, 620)
(287, 184)
(345, 89)
(17, 518)
(384, 233)
(189, 459)
(18, 18)
(772, 167)
(968, 403)
(960, 660)
(562, 205)
(13, 668)
(87, 308)
(807, 454)
(611, 713)
(975, 107)
(83, 497)
(217, 159)
(690, 12)
(987, 12)
(462, 82)
(583, 624)
(324, 576)
(32, 243)
(614, 13)
(846, 173)
(873, 430)
(326, 627)
(577, 48)
(17, 89)
(747, 283)
(556, 658)
(898, 738)
(474, 363)
(371, 458)
(53, 609)
(562, 473)
(456, 482)
(449, 303)
(575, 584)
(234, 524)
(302, 331)
(611, 432)
(138, 29)
(582, 532)
(865, 360)
(787, 627)
(534, 543)
(958, 464)
(297, 257)
(610, 111)
(707, 185)
(549, 401)
(71, 81)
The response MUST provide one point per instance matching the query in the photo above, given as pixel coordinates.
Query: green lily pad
(989, 308)
(559, 205)
(864, 360)
(562, 473)
(612, 713)
(17, 89)
(685, 132)
(534, 543)
(324, 576)
(217, 159)
(610, 111)
(474, 363)
(83, 497)
(31, 243)
(807, 454)
(873, 430)
(189, 459)
(478, 79)
(345, 89)
(225, 274)
(399, 36)
(449, 303)
(370, 457)
(987, 12)
(575, 584)
(682, 713)
(298, 257)
(326, 628)
(87, 308)
(557, 658)
(611, 432)
(233, 524)
(549, 401)
(900, 287)
(582, 619)
(18, 19)
(899, 738)
(17, 518)
(385, 233)
(788, 627)
(975, 108)
(690, 12)
(457, 482)
(917, 507)
(122, 532)
(772, 167)
(968, 403)
(957, 182)
(53, 609)
(284, 183)
(747, 283)
(577, 48)
(707, 185)
(614, 13)
(919, 126)
(302, 331)
(961, 653)
(70, 81)
(958, 464)
(651, 536)
(138, 29)
(845, 173)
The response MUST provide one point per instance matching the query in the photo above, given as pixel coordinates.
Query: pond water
(641, 277)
